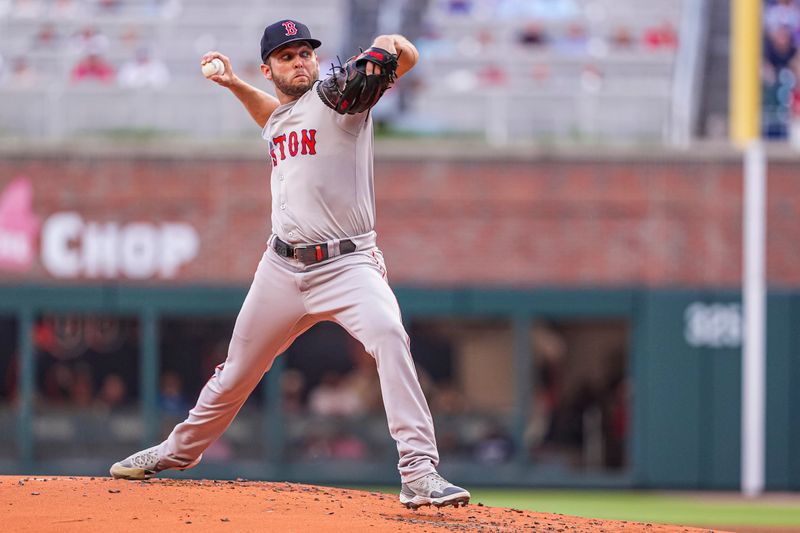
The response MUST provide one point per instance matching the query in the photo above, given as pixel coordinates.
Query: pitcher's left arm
(357, 85)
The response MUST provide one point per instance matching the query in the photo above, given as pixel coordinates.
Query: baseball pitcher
(322, 261)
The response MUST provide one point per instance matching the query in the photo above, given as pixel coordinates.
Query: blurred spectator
(171, 397)
(94, 69)
(622, 38)
(496, 446)
(795, 105)
(89, 40)
(130, 38)
(45, 337)
(104, 334)
(59, 380)
(580, 369)
(363, 382)
(316, 444)
(143, 71)
(781, 26)
(46, 37)
(493, 75)
(550, 348)
(533, 35)
(113, 392)
(344, 445)
(333, 396)
(779, 72)
(83, 386)
(780, 52)
(574, 40)
(783, 13)
(3, 70)
(292, 385)
(22, 74)
(663, 36)
(485, 37)
(324, 440)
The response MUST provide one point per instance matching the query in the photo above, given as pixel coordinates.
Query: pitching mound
(66, 504)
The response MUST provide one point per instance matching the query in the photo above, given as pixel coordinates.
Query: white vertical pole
(754, 300)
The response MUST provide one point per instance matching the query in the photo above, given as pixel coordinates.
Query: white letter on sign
(179, 245)
(99, 253)
(139, 250)
(58, 257)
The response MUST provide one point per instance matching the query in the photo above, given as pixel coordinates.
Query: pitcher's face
(292, 68)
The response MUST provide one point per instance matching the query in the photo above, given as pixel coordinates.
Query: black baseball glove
(349, 90)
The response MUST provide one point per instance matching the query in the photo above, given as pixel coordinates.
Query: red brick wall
(542, 223)
(580, 223)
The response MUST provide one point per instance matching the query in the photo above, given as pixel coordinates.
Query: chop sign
(73, 247)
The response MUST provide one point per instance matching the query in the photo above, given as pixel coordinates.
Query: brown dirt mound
(84, 504)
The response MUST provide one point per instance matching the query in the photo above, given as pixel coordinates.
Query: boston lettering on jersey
(293, 144)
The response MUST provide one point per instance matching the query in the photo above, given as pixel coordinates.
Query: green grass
(691, 509)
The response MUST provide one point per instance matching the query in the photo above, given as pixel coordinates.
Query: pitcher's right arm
(258, 103)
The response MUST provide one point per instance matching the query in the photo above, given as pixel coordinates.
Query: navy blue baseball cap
(284, 32)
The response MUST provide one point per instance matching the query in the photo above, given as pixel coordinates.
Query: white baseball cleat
(432, 489)
(144, 465)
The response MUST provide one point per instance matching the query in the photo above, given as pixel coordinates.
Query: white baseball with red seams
(215, 67)
(322, 192)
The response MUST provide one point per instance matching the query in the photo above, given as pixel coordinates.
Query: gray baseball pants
(285, 300)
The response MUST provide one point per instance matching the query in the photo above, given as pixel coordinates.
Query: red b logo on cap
(291, 29)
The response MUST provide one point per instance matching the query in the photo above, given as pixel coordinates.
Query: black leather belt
(311, 253)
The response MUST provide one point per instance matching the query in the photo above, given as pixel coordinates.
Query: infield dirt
(88, 504)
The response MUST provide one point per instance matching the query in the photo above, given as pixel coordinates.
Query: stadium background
(557, 200)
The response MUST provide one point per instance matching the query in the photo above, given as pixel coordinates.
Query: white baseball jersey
(322, 192)
(322, 183)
